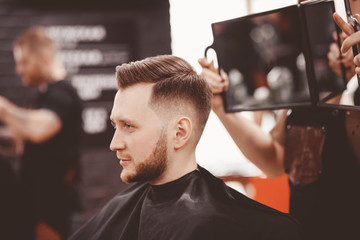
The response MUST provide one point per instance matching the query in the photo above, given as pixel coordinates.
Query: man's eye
(128, 126)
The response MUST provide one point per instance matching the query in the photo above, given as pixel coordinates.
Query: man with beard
(159, 113)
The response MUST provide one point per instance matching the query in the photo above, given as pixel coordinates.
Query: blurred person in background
(10, 211)
(159, 114)
(316, 147)
(50, 131)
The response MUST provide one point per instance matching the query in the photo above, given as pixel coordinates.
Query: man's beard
(153, 167)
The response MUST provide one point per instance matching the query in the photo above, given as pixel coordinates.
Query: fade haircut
(176, 85)
(37, 41)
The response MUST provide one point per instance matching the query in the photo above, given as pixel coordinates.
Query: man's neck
(57, 73)
(175, 170)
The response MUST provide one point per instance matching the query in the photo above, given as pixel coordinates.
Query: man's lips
(124, 162)
(123, 157)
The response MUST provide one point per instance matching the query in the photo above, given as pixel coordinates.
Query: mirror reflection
(278, 59)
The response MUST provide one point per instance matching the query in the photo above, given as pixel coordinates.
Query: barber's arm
(265, 150)
(33, 125)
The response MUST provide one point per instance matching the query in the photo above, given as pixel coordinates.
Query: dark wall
(136, 4)
(93, 38)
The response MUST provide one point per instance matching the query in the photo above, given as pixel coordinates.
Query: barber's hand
(336, 58)
(218, 83)
(352, 39)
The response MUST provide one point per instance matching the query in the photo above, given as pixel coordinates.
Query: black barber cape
(196, 206)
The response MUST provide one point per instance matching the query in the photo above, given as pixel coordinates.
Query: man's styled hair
(37, 41)
(175, 84)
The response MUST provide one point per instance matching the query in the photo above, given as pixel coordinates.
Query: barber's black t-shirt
(10, 214)
(328, 207)
(45, 165)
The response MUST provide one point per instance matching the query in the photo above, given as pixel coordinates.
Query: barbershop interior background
(94, 38)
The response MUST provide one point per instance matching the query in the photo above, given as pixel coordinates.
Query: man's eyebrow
(113, 121)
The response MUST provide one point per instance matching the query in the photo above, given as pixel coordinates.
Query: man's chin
(126, 177)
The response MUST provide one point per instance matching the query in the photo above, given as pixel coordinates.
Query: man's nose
(117, 142)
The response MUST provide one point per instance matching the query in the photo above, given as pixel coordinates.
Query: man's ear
(183, 131)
